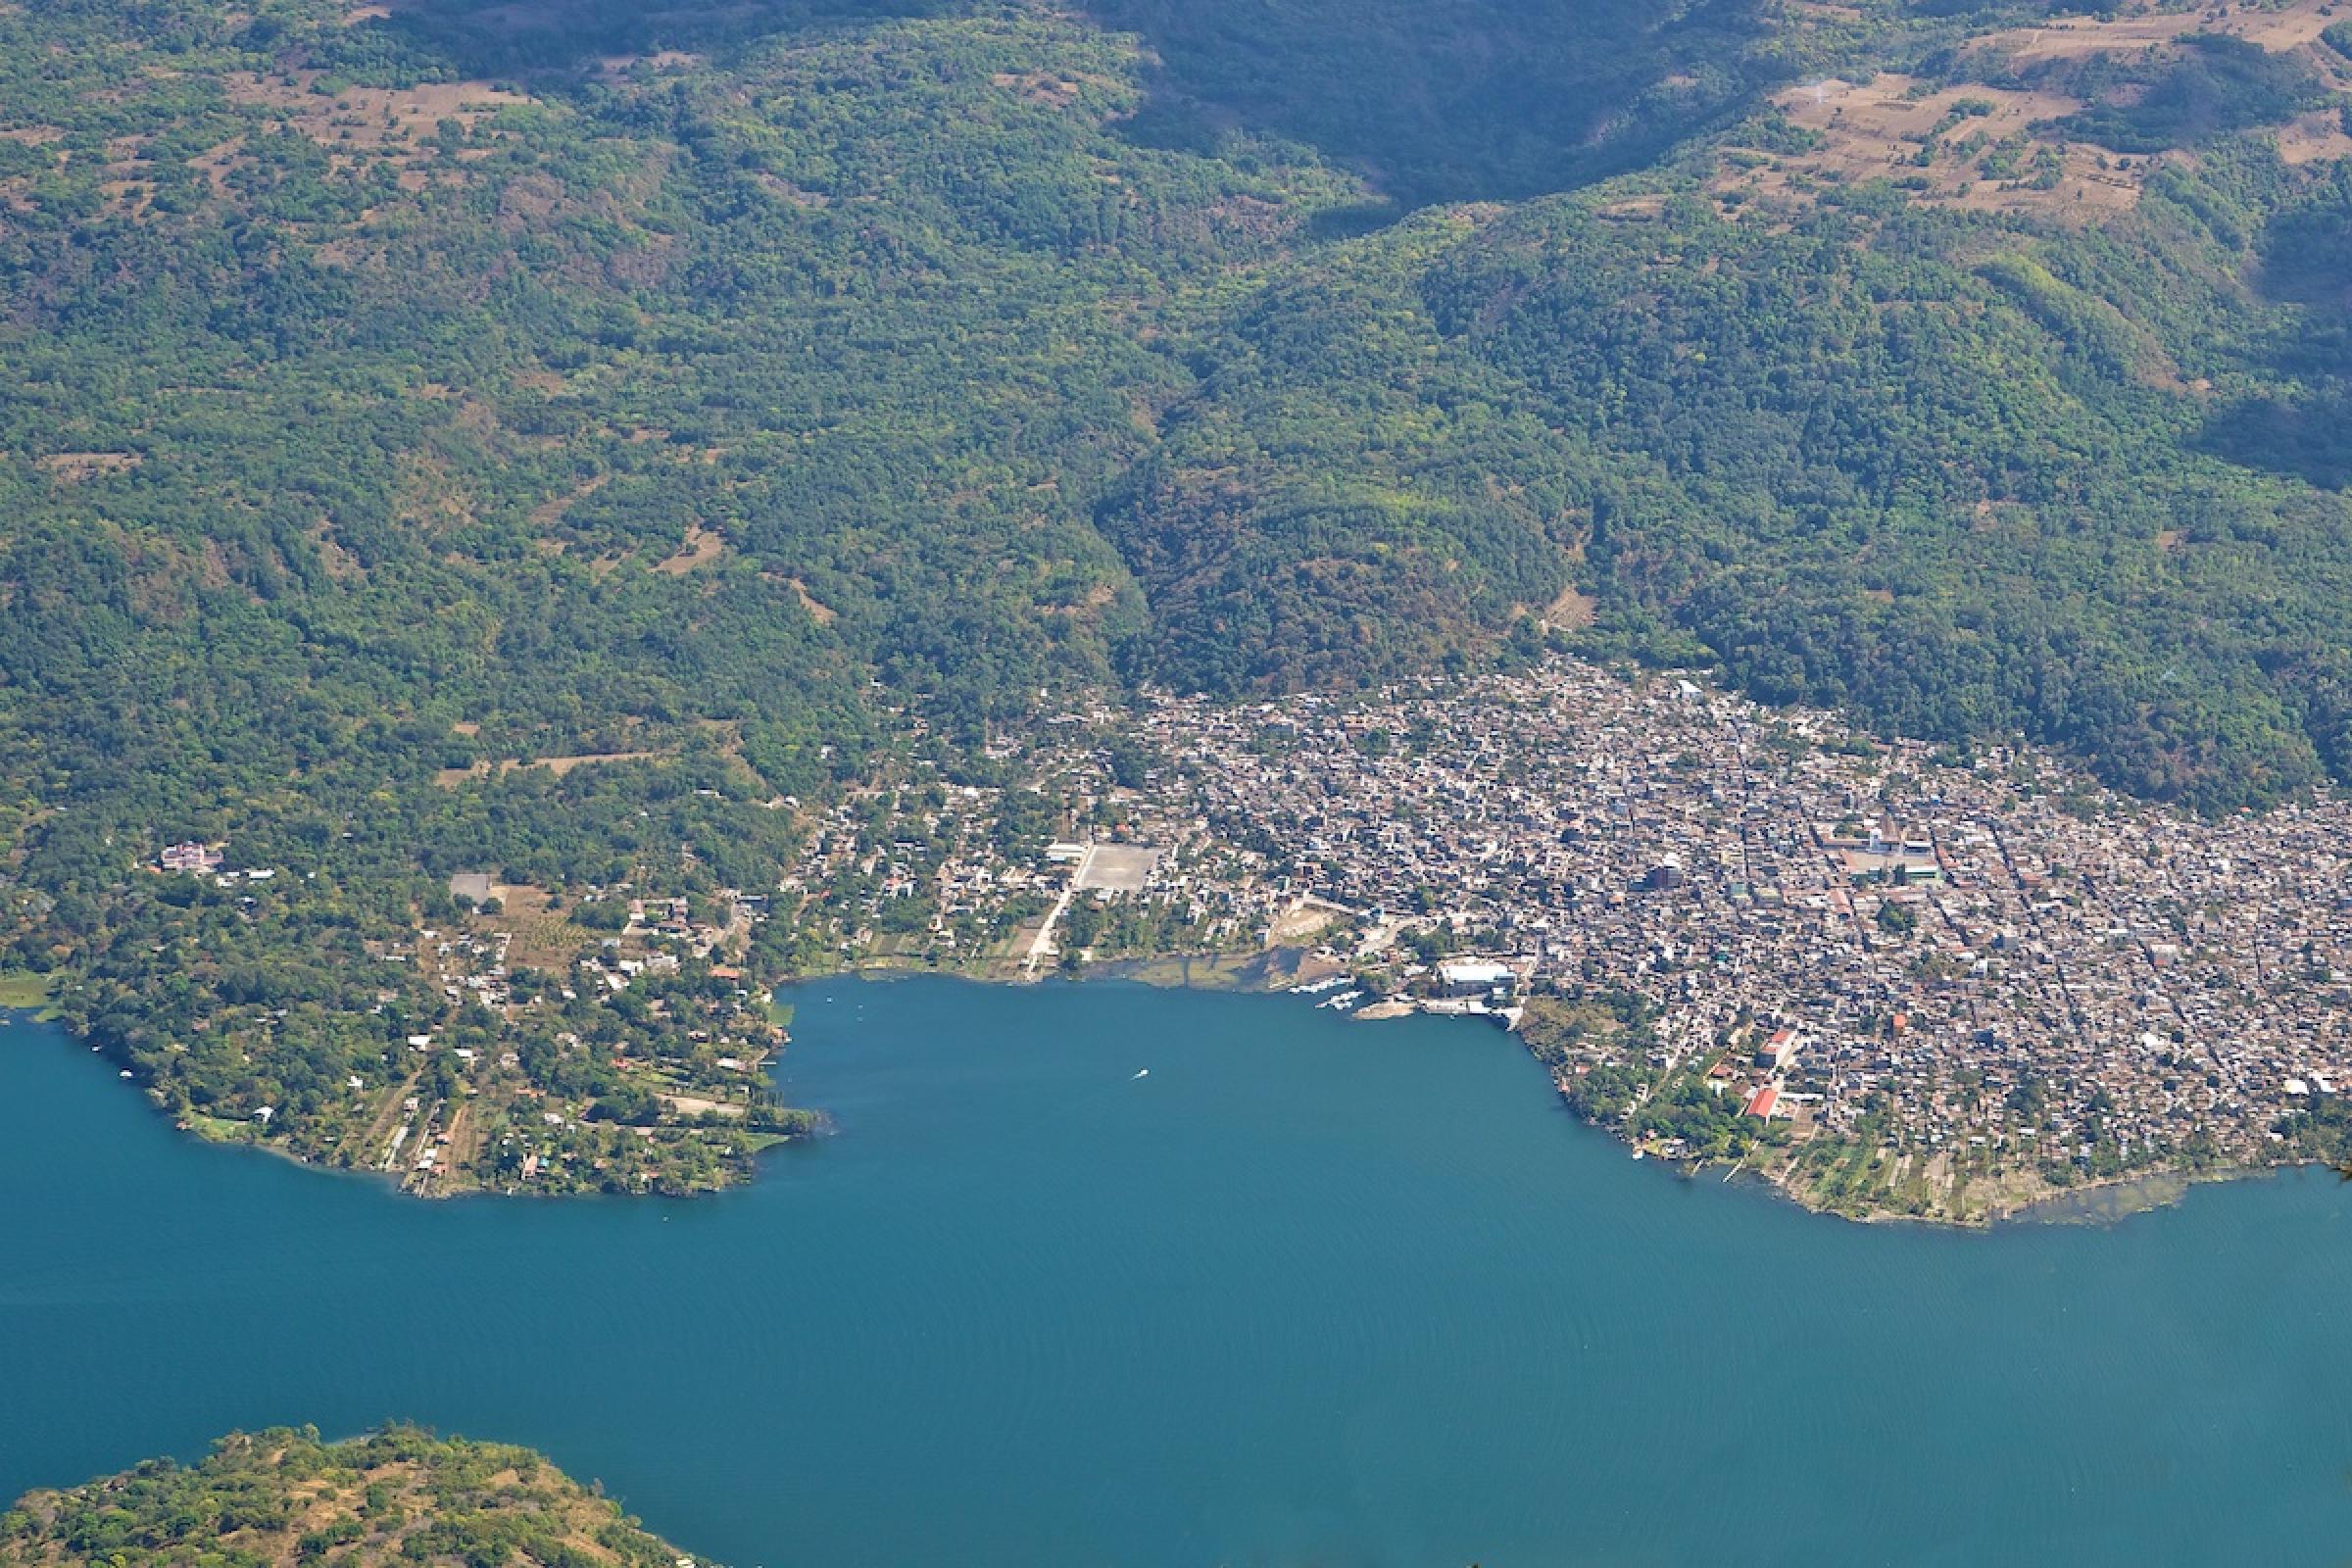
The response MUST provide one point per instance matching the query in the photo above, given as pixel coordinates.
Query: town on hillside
(1893, 977)
(1887, 977)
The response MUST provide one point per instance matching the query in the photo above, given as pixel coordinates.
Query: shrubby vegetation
(398, 1496)
(2214, 87)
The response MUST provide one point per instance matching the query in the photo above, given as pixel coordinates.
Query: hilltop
(399, 1495)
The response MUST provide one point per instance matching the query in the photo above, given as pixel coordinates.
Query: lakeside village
(498, 1053)
(1890, 980)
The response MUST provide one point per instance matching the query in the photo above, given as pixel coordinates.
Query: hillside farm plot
(1981, 148)
(2276, 27)
(355, 120)
(2315, 138)
(1966, 144)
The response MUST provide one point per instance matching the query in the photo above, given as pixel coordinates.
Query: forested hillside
(706, 398)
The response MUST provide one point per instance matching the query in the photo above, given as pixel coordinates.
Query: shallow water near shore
(1309, 1292)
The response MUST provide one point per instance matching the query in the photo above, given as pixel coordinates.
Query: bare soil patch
(1983, 152)
(449, 778)
(2315, 138)
(340, 564)
(395, 124)
(612, 66)
(375, 117)
(702, 547)
(1300, 925)
(2291, 25)
(73, 467)
(542, 937)
(1572, 611)
(215, 164)
(822, 614)
(550, 512)
(697, 1105)
(1039, 86)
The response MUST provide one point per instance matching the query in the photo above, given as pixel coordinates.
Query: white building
(1474, 978)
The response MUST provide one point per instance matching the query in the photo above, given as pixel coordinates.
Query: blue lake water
(1311, 1292)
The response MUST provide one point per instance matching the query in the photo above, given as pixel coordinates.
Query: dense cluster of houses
(1970, 954)
(1989, 950)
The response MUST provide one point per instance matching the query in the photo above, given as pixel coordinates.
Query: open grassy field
(19, 989)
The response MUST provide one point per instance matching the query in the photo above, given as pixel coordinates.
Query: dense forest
(399, 391)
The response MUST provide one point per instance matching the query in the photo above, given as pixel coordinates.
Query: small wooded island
(400, 1495)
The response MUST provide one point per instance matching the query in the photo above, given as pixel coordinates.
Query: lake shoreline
(1022, 1262)
(2102, 1200)
(22, 991)
(1266, 973)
